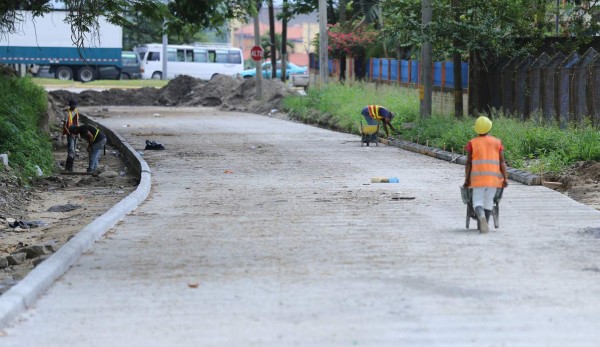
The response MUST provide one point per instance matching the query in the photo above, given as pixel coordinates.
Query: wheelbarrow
(467, 199)
(368, 133)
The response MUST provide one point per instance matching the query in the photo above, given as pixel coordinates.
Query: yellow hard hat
(483, 125)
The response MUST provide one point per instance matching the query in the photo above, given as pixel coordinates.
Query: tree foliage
(349, 43)
(182, 16)
(489, 28)
(265, 42)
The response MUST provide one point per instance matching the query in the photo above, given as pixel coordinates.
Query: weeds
(21, 105)
(534, 145)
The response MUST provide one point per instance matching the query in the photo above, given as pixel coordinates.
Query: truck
(46, 41)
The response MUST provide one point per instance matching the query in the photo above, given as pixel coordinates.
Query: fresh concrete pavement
(263, 232)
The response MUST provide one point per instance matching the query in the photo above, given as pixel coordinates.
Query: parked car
(290, 70)
(301, 80)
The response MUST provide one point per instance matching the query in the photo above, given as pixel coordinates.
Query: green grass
(531, 145)
(338, 106)
(22, 104)
(100, 83)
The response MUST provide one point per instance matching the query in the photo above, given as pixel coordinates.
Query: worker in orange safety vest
(485, 170)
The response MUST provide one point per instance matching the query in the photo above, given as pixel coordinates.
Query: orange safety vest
(374, 112)
(71, 120)
(485, 162)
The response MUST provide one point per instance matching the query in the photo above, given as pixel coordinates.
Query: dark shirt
(83, 129)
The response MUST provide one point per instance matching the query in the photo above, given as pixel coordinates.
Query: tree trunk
(342, 11)
(456, 59)
(284, 41)
(272, 40)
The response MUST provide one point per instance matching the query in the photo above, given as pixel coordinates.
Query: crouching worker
(485, 170)
(374, 114)
(96, 142)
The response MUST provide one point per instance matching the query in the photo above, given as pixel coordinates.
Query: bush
(22, 103)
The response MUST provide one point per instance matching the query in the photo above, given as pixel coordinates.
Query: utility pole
(323, 44)
(257, 43)
(165, 42)
(284, 25)
(273, 44)
(425, 89)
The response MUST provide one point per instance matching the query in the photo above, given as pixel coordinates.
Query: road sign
(257, 53)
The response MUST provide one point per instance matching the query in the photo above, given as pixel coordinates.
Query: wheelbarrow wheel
(496, 215)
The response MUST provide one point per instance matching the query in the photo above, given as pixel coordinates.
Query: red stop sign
(257, 53)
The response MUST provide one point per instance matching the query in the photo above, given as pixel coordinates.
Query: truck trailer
(47, 41)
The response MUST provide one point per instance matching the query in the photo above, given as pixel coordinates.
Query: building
(301, 30)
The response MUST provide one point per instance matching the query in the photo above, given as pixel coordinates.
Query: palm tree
(265, 42)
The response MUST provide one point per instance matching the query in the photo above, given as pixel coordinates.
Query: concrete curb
(24, 294)
(513, 174)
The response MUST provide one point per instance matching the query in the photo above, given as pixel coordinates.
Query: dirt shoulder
(49, 211)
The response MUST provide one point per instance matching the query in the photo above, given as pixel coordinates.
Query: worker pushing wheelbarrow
(485, 176)
(374, 114)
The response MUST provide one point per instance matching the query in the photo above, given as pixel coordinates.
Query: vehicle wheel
(64, 73)
(85, 74)
(157, 75)
(305, 88)
(125, 76)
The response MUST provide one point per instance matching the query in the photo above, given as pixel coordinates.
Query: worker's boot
(488, 213)
(483, 225)
(69, 164)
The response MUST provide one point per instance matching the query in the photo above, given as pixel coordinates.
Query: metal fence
(561, 88)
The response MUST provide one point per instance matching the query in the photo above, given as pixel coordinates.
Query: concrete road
(262, 232)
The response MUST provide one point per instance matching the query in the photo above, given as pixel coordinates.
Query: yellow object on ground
(379, 180)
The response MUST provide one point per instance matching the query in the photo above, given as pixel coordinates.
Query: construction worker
(485, 170)
(71, 118)
(96, 142)
(374, 114)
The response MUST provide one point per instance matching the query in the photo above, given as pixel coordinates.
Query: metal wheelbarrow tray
(467, 199)
(368, 133)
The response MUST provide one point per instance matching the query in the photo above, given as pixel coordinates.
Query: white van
(198, 60)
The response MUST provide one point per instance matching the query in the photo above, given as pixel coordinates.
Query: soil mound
(225, 92)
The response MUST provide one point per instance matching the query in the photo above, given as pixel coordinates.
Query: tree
(484, 31)
(352, 44)
(265, 42)
(83, 15)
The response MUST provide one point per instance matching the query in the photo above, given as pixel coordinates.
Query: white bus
(198, 60)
